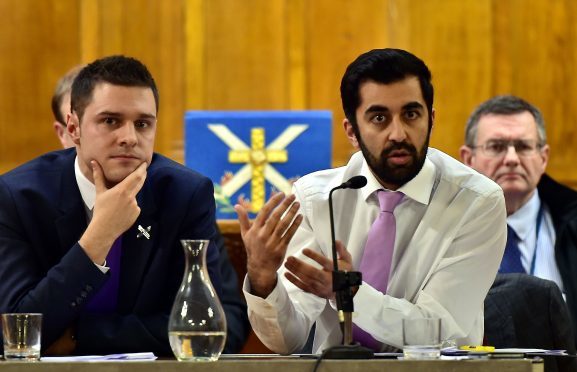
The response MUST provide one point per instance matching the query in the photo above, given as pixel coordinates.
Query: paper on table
(267, 356)
(130, 357)
(520, 350)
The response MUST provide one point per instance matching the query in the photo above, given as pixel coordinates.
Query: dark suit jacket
(527, 312)
(562, 203)
(238, 326)
(43, 269)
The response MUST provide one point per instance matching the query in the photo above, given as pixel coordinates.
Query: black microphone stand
(343, 284)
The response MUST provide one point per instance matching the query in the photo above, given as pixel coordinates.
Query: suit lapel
(72, 222)
(137, 249)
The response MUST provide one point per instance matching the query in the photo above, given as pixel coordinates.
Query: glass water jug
(197, 324)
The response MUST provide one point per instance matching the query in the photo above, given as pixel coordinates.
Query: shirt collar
(418, 189)
(87, 188)
(523, 220)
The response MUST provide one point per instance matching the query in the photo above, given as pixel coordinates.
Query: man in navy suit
(506, 140)
(62, 214)
(234, 305)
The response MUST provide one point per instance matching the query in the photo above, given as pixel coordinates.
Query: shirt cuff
(247, 291)
(103, 267)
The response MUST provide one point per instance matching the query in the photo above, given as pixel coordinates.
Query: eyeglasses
(499, 147)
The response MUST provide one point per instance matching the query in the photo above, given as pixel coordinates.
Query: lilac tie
(106, 298)
(376, 261)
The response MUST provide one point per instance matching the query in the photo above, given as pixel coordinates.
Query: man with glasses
(505, 140)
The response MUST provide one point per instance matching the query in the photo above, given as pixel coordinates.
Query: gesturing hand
(266, 240)
(115, 210)
(310, 278)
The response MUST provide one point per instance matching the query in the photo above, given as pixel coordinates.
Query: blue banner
(251, 154)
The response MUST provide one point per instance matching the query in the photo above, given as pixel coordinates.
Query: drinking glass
(21, 332)
(422, 338)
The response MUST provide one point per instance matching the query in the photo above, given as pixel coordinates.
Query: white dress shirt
(539, 246)
(87, 188)
(450, 239)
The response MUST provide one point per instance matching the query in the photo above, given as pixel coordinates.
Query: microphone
(355, 182)
(343, 282)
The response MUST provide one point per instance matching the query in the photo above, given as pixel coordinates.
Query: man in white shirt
(505, 140)
(450, 224)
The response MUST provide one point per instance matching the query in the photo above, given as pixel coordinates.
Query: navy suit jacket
(238, 326)
(43, 268)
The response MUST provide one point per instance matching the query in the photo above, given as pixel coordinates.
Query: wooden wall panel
(30, 65)
(457, 52)
(459, 56)
(194, 54)
(89, 30)
(245, 55)
(153, 32)
(536, 58)
(338, 33)
(290, 54)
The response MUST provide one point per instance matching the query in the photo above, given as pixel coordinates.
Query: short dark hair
(383, 66)
(116, 70)
(63, 87)
(503, 105)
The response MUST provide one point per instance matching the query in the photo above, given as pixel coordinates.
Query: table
(281, 365)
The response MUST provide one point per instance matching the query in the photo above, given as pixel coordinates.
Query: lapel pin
(143, 232)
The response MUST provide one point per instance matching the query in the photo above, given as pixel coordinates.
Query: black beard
(396, 175)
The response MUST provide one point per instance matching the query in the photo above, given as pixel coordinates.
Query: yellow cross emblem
(258, 159)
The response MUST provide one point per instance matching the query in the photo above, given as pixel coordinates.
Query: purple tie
(104, 301)
(376, 261)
